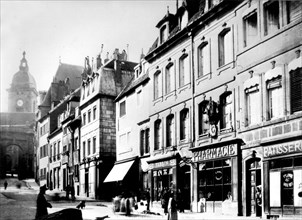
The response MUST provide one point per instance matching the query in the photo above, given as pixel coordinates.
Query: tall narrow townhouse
(216, 174)
(97, 135)
(130, 171)
(69, 157)
(66, 79)
(269, 74)
(172, 110)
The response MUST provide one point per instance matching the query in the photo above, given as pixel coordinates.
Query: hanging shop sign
(282, 149)
(165, 163)
(214, 153)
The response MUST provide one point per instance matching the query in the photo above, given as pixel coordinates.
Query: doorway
(253, 188)
(87, 182)
(184, 186)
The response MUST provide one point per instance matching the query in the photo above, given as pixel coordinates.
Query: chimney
(98, 62)
(107, 57)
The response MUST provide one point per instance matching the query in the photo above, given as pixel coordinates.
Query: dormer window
(163, 34)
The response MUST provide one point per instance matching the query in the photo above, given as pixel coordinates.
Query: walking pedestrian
(5, 184)
(172, 208)
(42, 204)
(165, 200)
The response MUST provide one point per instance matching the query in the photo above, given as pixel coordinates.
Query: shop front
(217, 179)
(283, 178)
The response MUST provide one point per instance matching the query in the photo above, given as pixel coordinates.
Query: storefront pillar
(194, 191)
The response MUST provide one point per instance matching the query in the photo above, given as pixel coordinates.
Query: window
(253, 105)
(157, 133)
(203, 120)
(184, 124)
(163, 34)
(225, 44)
(54, 151)
(84, 118)
(250, 23)
(271, 17)
(184, 70)
(64, 148)
(275, 98)
(88, 147)
(157, 85)
(147, 145)
(293, 11)
(296, 90)
(76, 143)
(122, 108)
(214, 180)
(170, 130)
(226, 110)
(143, 141)
(170, 76)
(94, 113)
(50, 151)
(94, 145)
(203, 60)
(89, 116)
(138, 97)
(59, 150)
(84, 149)
(285, 178)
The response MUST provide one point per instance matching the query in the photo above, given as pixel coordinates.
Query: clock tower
(22, 95)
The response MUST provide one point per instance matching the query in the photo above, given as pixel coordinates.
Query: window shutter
(296, 90)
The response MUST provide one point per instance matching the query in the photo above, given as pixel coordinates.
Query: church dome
(23, 79)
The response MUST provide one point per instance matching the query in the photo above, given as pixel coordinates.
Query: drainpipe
(193, 116)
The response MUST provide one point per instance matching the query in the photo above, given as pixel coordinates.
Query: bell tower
(22, 94)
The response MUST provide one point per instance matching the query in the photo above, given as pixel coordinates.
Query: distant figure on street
(165, 200)
(42, 204)
(67, 189)
(72, 193)
(5, 184)
(148, 199)
(172, 208)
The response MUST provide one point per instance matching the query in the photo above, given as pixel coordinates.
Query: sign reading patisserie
(213, 153)
(282, 149)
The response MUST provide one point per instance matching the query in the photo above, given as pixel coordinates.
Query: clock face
(19, 102)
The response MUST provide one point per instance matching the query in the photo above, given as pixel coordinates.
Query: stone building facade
(225, 119)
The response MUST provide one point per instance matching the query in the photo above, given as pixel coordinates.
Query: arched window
(170, 77)
(225, 44)
(203, 59)
(226, 110)
(170, 130)
(203, 120)
(184, 70)
(157, 85)
(184, 124)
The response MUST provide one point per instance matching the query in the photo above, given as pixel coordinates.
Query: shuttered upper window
(296, 90)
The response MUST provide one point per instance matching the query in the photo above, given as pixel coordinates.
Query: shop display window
(162, 180)
(285, 180)
(214, 180)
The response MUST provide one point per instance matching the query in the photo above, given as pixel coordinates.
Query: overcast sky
(48, 30)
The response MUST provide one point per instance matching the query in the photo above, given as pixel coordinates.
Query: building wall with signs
(269, 117)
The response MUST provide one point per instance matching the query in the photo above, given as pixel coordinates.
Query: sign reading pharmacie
(215, 153)
(282, 149)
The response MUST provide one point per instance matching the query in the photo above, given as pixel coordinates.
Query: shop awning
(119, 171)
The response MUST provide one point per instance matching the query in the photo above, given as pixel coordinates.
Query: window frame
(122, 107)
(157, 134)
(202, 70)
(224, 57)
(170, 130)
(182, 70)
(184, 124)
